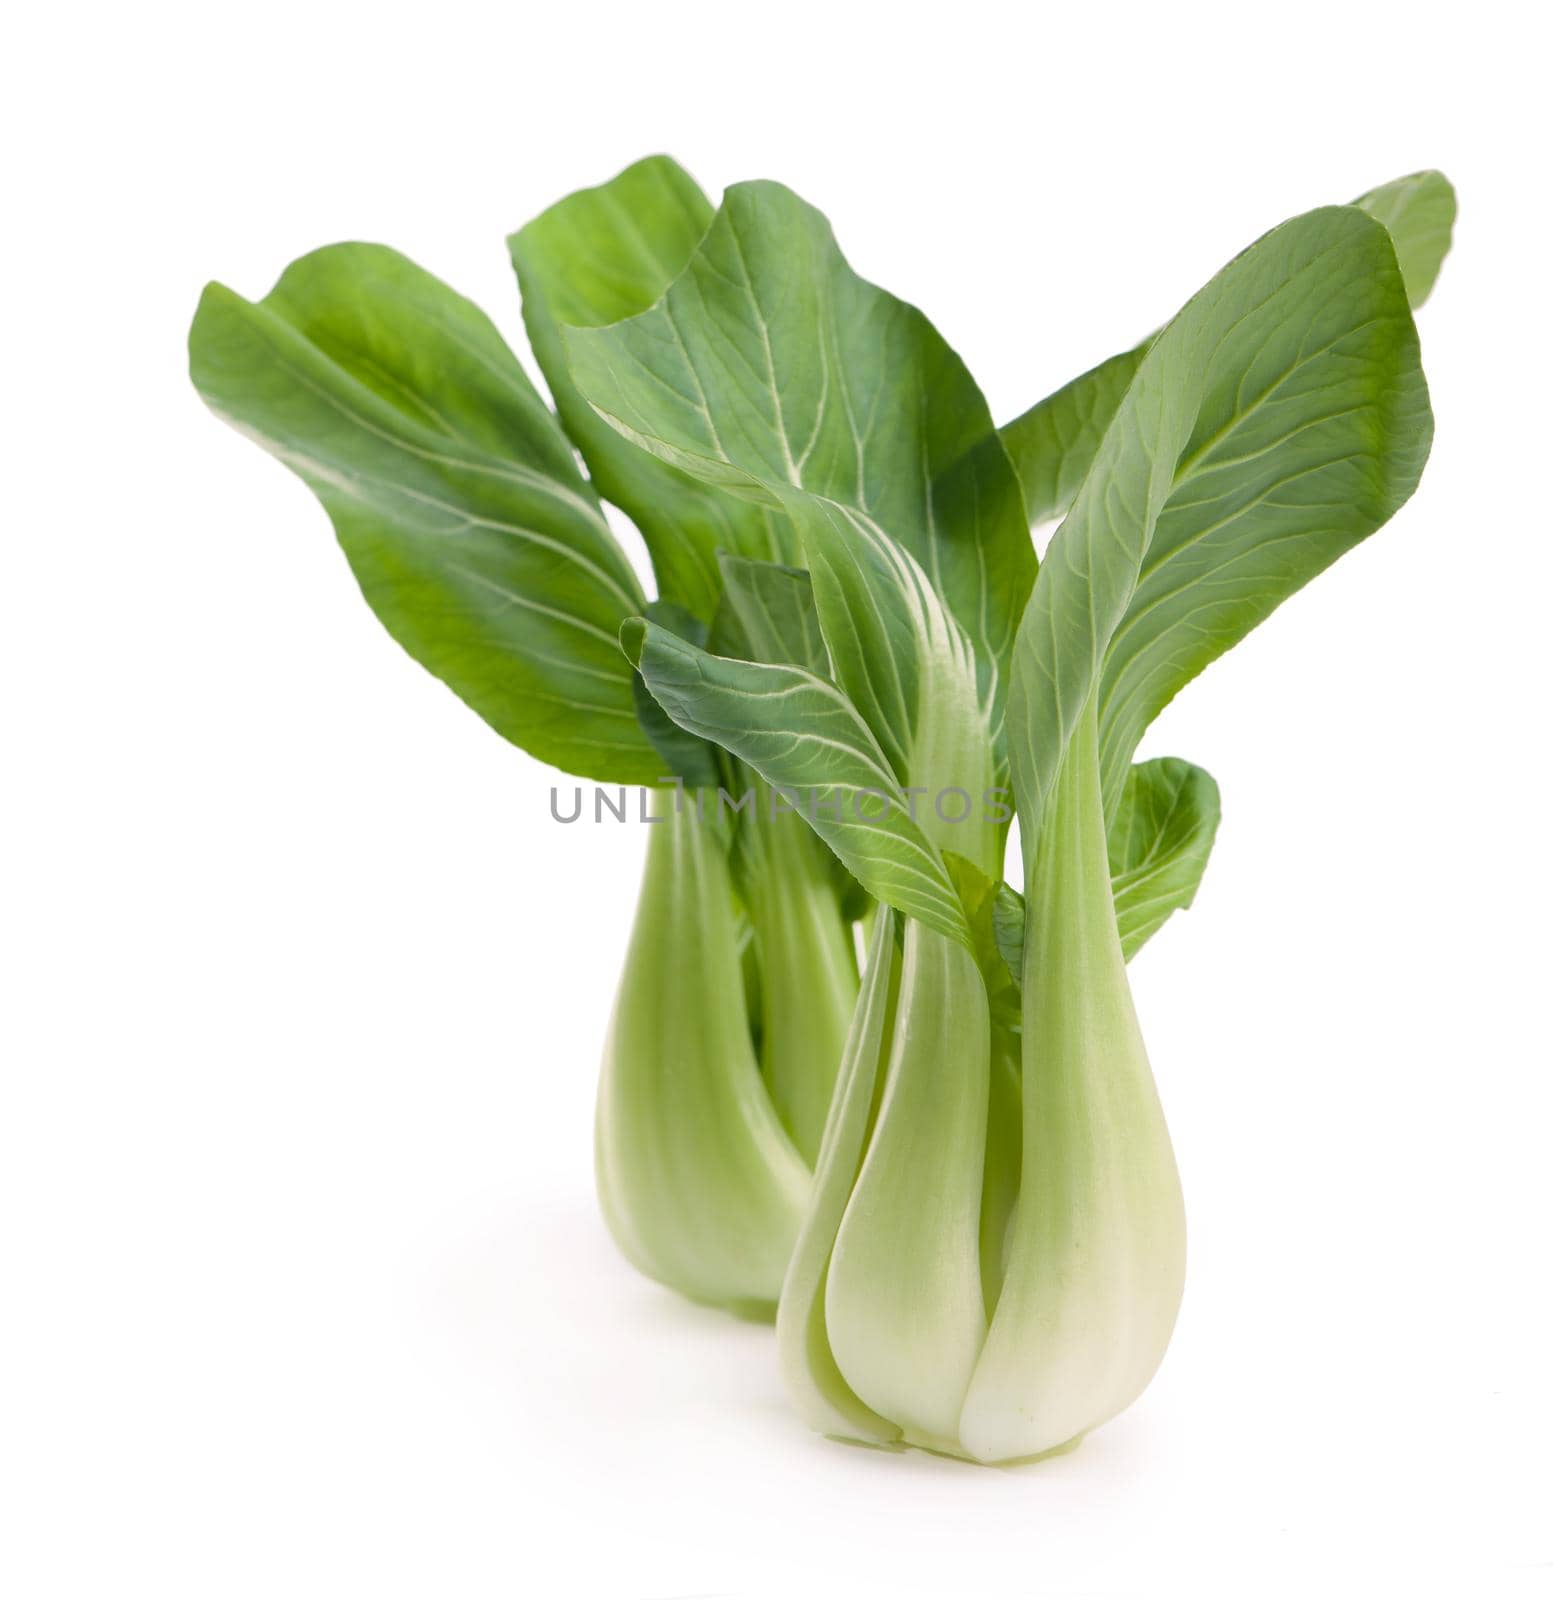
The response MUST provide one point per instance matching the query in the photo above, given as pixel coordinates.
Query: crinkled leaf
(771, 369)
(803, 736)
(598, 256)
(452, 490)
(1277, 421)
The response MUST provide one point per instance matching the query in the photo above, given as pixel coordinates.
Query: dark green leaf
(1053, 443)
(453, 492)
(771, 369)
(598, 256)
(1277, 421)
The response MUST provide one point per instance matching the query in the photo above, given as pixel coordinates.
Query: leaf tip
(633, 639)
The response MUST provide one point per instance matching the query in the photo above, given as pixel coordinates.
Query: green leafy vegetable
(951, 1177)
(993, 1255)
(770, 369)
(456, 496)
(1280, 419)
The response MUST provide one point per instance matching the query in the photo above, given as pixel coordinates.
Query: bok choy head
(994, 1251)
(482, 546)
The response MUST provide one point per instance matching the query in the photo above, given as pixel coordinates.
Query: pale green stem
(1098, 1250)
(1001, 1176)
(803, 1343)
(903, 1301)
(808, 973)
(699, 1181)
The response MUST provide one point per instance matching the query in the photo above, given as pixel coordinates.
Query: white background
(305, 1292)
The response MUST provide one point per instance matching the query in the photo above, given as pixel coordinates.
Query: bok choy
(457, 497)
(994, 1254)
(948, 1174)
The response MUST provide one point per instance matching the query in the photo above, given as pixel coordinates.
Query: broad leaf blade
(1277, 421)
(803, 736)
(599, 256)
(453, 492)
(1159, 842)
(771, 369)
(1053, 443)
(1311, 427)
